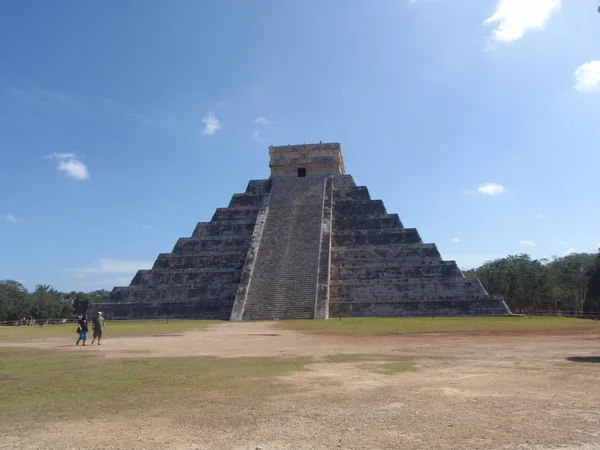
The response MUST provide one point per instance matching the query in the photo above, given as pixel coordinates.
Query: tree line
(567, 284)
(45, 302)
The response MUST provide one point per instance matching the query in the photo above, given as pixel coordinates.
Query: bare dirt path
(240, 339)
(469, 391)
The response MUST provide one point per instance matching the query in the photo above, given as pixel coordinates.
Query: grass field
(349, 326)
(41, 385)
(116, 328)
(382, 326)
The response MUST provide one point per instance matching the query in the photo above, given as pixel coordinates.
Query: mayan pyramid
(307, 243)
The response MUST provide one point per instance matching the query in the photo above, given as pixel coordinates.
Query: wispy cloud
(115, 266)
(9, 218)
(39, 97)
(455, 239)
(211, 124)
(514, 18)
(70, 166)
(587, 77)
(539, 216)
(527, 243)
(59, 156)
(570, 250)
(262, 121)
(491, 189)
(79, 276)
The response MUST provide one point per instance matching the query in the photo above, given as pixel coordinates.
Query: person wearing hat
(98, 327)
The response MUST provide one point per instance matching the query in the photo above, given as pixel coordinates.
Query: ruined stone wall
(381, 268)
(200, 277)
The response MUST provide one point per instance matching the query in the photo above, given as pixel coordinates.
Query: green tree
(48, 303)
(571, 275)
(594, 284)
(14, 301)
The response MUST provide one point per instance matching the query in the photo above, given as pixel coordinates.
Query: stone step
(237, 213)
(221, 229)
(222, 260)
(374, 307)
(176, 293)
(219, 310)
(185, 277)
(376, 237)
(399, 271)
(351, 193)
(375, 263)
(238, 200)
(257, 187)
(373, 222)
(343, 208)
(224, 244)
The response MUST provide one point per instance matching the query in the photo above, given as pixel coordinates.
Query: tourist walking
(83, 329)
(98, 326)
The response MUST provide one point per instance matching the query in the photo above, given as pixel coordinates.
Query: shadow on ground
(584, 359)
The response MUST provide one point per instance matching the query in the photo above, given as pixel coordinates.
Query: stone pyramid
(307, 243)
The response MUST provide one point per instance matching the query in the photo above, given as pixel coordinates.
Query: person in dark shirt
(83, 329)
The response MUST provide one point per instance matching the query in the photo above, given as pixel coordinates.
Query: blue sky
(124, 123)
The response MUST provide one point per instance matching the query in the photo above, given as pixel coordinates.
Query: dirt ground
(469, 391)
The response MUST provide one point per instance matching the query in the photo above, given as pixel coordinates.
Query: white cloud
(514, 18)
(455, 239)
(120, 266)
(9, 218)
(562, 243)
(570, 250)
(262, 121)
(79, 276)
(539, 216)
(59, 156)
(527, 243)
(69, 165)
(74, 168)
(491, 189)
(211, 124)
(587, 77)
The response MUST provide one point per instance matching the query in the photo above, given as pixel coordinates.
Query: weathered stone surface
(286, 270)
(380, 268)
(307, 243)
(200, 277)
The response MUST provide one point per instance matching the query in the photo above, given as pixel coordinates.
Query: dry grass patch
(114, 329)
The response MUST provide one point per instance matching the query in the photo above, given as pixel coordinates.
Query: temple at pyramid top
(306, 159)
(306, 243)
